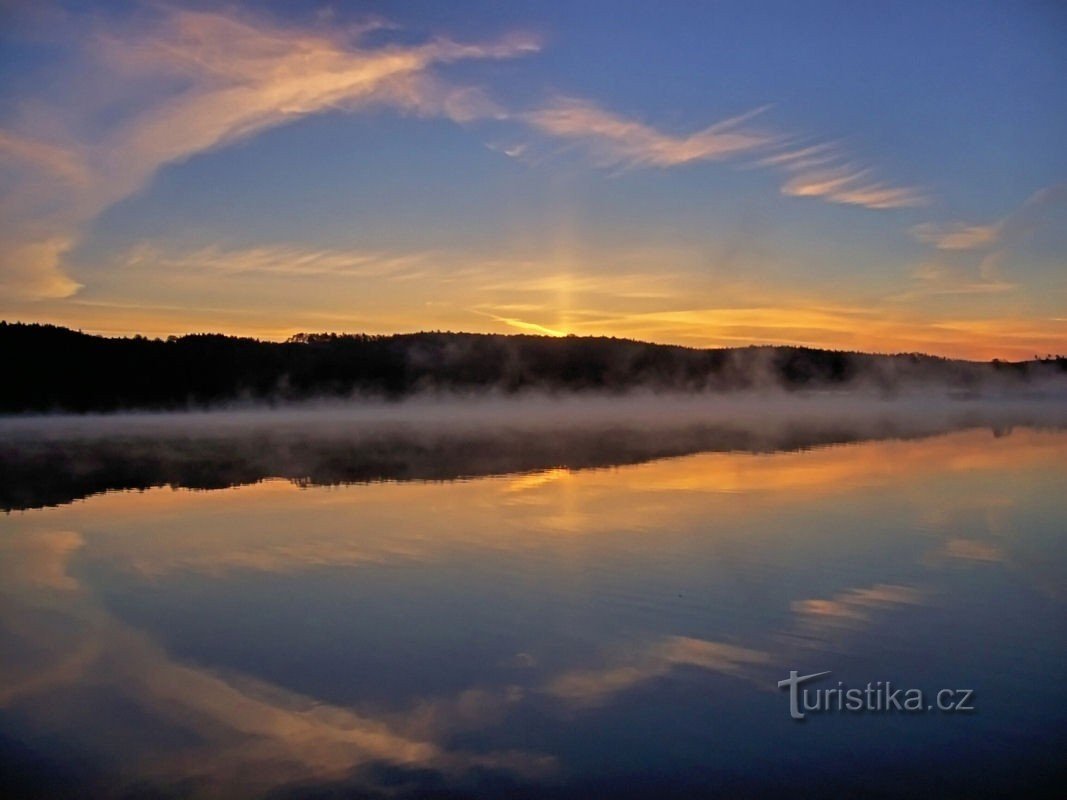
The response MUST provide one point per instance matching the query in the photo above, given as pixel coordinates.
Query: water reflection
(53, 460)
(564, 632)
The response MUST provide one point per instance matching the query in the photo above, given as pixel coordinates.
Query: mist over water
(57, 458)
(520, 401)
(554, 596)
(533, 410)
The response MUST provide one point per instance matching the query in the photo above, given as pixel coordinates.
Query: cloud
(510, 150)
(188, 83)
(801, 320)
(879, 195)
(42, 561)
(803, 158)
(57, 161)
(941, 279)
(175, 83)
(855, 603)
(1021, 221)
(850, 185)
(957, 235)
(824, 170)
(972, 550)
(528, 276)
(613, 140)
(993, 241)
(597, 687)
(240, 735)
(818, 170)
(278, 259)
(850, 610)
(31, 268)
(528, 327)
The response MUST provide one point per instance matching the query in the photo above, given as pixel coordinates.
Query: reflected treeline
(49, 368)
(54, 460)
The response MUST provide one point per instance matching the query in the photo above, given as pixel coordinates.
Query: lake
(478, 609)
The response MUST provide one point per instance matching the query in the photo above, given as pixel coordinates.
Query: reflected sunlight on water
(615, 629)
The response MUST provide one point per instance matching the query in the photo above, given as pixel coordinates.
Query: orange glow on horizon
(533, 511)
(832, 328)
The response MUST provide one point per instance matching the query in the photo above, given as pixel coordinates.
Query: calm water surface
(616, 631)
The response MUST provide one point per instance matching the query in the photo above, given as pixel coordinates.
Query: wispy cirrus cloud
(816, 155)
(819, 170)
(855, 189)
(991, 243)
(171, 84)
(1007, 229)
(824, 171)
(63, 163)
(799, 320)
(957, 235)
(614, 140)
(934, 279)
(279, 259)
(214, 78)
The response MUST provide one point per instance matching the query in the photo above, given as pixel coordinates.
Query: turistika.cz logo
(877, 697)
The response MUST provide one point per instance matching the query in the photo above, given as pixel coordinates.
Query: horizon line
(291, 339)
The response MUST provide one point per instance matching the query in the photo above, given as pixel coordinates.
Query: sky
(886, 177)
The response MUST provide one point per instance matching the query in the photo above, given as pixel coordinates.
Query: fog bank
(46, 460)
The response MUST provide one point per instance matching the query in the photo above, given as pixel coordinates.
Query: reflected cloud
(229, 734)
(50, 460)
(597, 687)
(39, 561)
(852, 608)
(994, 529)
(973, 550)
(832, 622)
(538, 479)
(223, 732)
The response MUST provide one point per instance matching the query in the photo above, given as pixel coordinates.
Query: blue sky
(866, 176)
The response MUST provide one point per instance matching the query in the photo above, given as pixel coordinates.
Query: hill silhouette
(52, 368)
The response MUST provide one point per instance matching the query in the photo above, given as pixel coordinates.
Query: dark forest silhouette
(51, 368)
(50, 469)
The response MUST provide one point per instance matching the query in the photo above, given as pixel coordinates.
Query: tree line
(52, 368)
